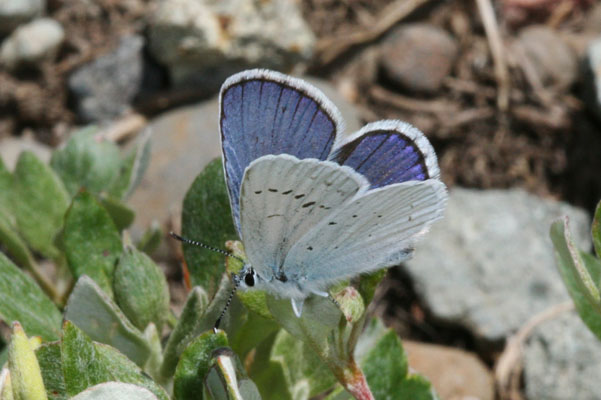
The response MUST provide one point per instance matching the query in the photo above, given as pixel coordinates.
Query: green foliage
(116, 300)
(206, 216)
(581, 272)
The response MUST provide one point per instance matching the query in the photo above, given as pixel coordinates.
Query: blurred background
(507, 91)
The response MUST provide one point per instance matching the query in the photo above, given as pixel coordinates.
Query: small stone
(561, 361)
(16, 12)
(105, 88)
(418, 57)
(489, 265)
(546, 55)
(592, 77)
(202, 42)
(454, 373)
(32, 43)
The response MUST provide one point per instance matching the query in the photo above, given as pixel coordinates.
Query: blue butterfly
(312, 205)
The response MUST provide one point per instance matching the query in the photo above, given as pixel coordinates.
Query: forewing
(375, 230)
(283, 198)
(264, 112)
(388, 152)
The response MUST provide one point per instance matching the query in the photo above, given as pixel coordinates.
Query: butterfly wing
(264, 112)
(282, 198)
(373, 230)
(388, 152)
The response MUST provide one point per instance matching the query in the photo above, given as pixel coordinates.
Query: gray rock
(418, 57)
(105, 88)
(201, 42)
(31, 43)
(15, 12)
(543, 52)
(184, 140)
(592, 77)
(561, 361)
(489, 264)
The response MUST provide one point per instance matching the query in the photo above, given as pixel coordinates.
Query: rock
(184, 140)
(15, 12)
(31, 43)
(104, 88)
(455, 374)
(561, 361)
(488, 265)
(418, 57)
(592, 77)
(202, 42)
(542, 52)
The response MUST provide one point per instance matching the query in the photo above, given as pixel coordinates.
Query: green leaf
(227, 379)
(141, 289)
(115, 391)
(122, 215)
(207, 217)
(93, 311)
(577, 270)
(132, 168)
(368, 284)
(13, 243)
(180, 337)
(49, 358)
(306, 375)
(40, 201)
(86, 364)
(88, 161)
(6, 183)
(596, 230)
(92, 242)
(253, 331)
(386, 369)
(195, 363)
(21, 299)
(268, 374)
(25, 375)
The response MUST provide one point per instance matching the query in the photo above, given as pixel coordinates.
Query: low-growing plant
(580, 270)
(97, 327)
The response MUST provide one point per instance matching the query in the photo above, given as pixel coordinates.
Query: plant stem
(354, 381)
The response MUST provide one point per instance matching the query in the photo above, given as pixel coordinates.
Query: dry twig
(330, 48)
(509, 366)
(497, 50)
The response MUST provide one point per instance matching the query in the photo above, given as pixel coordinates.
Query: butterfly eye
(249, 278)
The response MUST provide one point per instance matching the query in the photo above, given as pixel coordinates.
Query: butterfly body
(314, 206)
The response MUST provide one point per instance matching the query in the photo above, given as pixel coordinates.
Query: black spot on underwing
(298, 196)
(287, 192)
(273, 190)
(309, 204)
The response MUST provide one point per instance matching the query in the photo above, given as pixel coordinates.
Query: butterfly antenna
(227, 304)
(205, 246)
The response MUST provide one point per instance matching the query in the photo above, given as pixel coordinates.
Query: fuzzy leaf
(151, 238)
(40, 201)
(386, 369)
(132, 168)
(92, 242)
(49, 358)
(12, 242)
(207, 217)
(195, 363)
(268, 374)
(6, 182)
(254, 330)
(141, 289)
(579, 271)
(22, 299)
(86, 364)
(93, 311)
(25, 375)
(122, 215)
(115, 391)
(596, 230)
(87, 160)
(306, 375)
(227, 379)
(180, 337)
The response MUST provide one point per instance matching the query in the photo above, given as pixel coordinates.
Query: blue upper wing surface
(264, 112)
(388, 152)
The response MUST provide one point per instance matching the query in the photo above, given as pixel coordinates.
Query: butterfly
(312, 205)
